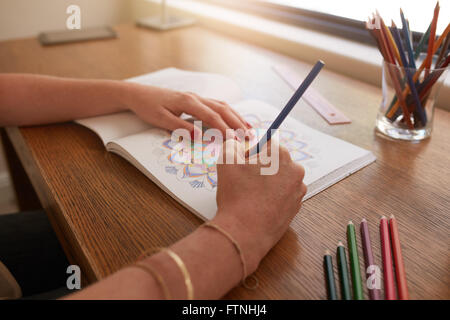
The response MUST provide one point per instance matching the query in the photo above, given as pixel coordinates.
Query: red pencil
(389, 286)
(400, 273)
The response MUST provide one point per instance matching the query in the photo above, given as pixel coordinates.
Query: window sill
(353, 59)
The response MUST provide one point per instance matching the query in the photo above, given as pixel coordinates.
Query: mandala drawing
(204, 175)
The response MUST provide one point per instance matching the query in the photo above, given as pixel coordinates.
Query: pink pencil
(371, 267)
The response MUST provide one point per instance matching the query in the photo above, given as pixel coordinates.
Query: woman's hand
(163, 107)
(257, 209)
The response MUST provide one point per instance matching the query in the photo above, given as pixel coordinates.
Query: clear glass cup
(402, 118)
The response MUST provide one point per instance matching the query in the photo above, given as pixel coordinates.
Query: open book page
(325, 158)
(205, 84)
(209, 85)
(114, 126)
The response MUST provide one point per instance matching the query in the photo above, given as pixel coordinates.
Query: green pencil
(343, 272)
(329, 276)
(354, 262)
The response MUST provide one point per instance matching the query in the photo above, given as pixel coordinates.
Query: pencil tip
(327, 252)
(363, 220)
(392, 216)
(340, 244)
(383, 217)
(350, 222)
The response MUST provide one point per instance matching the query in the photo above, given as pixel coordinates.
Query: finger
(209, 116)
(304, 190)
(171, 122)
(237, 114)
(226, 112)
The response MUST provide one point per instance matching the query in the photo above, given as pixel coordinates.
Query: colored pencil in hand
(288, 107)
(358, 293)
(343, 272)
(329, 276)
(400, 273)
(389, 286)
(371, 268)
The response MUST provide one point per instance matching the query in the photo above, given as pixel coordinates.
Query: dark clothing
(32, 253)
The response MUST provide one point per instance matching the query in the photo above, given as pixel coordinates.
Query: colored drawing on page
(204, 175)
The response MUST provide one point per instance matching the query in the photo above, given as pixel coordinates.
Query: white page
(205, 84)
(195, 185)
(208, 85)
(114, 126)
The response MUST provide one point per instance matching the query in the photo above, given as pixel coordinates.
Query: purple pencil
(373, 273)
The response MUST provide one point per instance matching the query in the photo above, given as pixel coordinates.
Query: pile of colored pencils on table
(412, 85)
(390, 242)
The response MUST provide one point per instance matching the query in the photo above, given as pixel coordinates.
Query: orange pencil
(402, 286)
(381, 33)
(431, 39)
(436, 46)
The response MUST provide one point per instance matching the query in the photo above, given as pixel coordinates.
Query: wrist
(125, 94)
(251, 245)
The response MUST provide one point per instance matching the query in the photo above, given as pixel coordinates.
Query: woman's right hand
(257, 209)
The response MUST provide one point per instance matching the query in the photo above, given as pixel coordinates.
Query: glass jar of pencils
(408, 103)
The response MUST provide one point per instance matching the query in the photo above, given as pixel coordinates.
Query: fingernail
(237, 138)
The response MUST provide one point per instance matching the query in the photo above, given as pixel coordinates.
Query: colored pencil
(443, 50)
(289, 106)
(389, 286)
(402, 286)
(437, 44)
(358, 293)
(329, 276)
(343, 272)
(431, 39)
(419, 108)
(388, 56)
(374, 292)
(406, 34)
(422, 41)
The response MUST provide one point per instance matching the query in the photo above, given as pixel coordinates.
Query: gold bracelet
(245, 278)
(184, 270)
(156, 276)
(180, 264)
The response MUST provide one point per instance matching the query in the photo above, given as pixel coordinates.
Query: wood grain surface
(106, 212)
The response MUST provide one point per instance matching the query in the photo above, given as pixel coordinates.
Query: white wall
(25, 18)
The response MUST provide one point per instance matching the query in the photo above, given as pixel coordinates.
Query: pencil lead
(340, 244)
(350, 222)
(363, 220)
(327, 252)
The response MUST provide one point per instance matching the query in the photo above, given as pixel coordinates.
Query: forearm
(211, 259)
(34, 99)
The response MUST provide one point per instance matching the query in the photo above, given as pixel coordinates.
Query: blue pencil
(419, 109)
(289, 106)
(406, 34)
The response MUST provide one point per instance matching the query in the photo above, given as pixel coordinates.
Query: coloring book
(151, 150)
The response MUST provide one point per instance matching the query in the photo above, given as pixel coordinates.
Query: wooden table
(105, 212)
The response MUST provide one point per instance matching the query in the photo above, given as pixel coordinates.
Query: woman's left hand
(163, 107)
